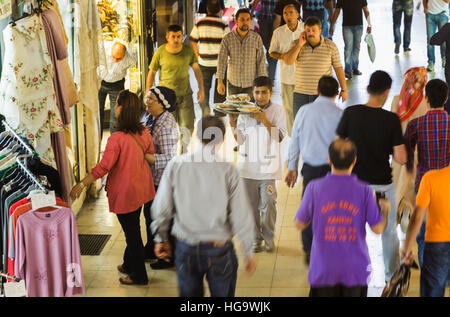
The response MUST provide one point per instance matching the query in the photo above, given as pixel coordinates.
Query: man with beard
(242, 50)
(314, 56)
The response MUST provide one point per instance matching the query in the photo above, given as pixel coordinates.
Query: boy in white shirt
(259, 162)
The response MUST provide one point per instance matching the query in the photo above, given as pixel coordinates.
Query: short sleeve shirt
(313, 63)
(352, 11)
(174, 68)
(339, 206)
(375, 132)
(434, 194)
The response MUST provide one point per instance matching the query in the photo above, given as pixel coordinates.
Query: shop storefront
(90, 27)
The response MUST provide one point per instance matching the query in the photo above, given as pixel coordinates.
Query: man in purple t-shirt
(339, 205)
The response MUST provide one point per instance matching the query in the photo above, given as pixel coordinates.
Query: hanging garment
(27, 98)
(48, 254)
(16, 210)
(58, 52)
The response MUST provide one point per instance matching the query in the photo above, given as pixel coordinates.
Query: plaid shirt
(246, 61)
(164, 131)
(431, 133)
(267, 10)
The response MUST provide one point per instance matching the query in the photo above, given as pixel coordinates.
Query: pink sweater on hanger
(48, 254)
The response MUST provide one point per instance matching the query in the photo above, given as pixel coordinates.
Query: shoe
(406, 50)
(430, 67)
(257, 247)
(121, 269)
(236, 148)
(161, 265)
(150, 257)
(357, 72)
(269, 246)
(397, 48)
(128, 281)
(348, 76)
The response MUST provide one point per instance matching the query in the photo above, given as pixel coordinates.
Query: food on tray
(238, 98)
(226, 107)
(249, 109)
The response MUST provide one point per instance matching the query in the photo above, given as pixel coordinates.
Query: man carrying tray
(259, 162)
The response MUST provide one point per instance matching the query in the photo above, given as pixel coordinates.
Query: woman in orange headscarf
(410, 104)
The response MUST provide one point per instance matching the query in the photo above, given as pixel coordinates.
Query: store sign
(5, 8)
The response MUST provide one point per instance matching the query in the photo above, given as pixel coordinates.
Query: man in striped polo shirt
(314, 56)
(206, 37)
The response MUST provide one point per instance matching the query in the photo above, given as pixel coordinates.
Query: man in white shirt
(259, 161)
(282, 41)
(436, 12)
(118, 60)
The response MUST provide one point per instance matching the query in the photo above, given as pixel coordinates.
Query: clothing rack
(29, 174)
(18, 138)
(31, 153)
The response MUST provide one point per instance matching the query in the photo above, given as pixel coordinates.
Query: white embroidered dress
(27, 95)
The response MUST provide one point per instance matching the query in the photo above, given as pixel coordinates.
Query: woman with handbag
(129, 184)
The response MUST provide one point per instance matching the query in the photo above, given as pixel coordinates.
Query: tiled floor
(283, 272)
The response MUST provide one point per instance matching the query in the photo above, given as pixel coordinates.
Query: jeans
(301, 100)
(436, 269)
(389, 238)
(133, 257)
(218, 264)
(435, 22)
(421, 241)
(399, 8)
(111, 89)
(266, 32)
(352, 39)
(208, 73)
(310, 173)
(326, 24)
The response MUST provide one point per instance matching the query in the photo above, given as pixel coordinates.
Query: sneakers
(397, 48)
(430, 66)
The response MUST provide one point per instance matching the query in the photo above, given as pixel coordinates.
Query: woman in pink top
(130, 182)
